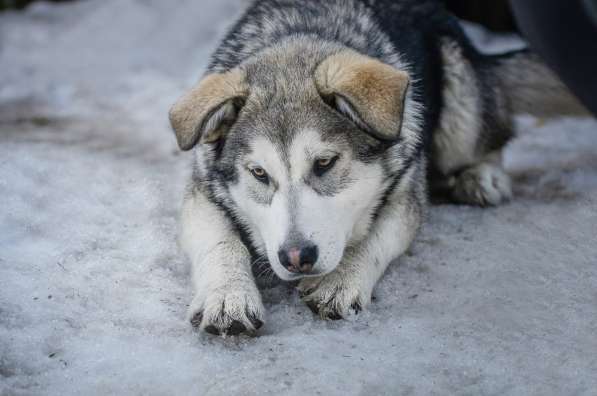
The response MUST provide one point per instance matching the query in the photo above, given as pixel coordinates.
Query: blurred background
(18, 4)
(495, 15)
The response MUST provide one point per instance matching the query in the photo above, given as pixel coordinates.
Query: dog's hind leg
(475, 123)
(226, 300)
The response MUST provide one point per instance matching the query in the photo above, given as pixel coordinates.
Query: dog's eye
(323, 165)
(260, 174)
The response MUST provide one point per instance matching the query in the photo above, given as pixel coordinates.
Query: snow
(94, 290)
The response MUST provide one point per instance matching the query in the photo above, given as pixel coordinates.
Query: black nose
(297, 259)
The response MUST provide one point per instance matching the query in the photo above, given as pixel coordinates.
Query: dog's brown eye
(260, 174)
(323, 165)
(324, 162)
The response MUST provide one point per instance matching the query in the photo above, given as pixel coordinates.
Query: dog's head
(294, 144)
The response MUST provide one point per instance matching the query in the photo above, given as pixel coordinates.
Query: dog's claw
(356, 307)
(256, 322)
(331, 298)
(326, 313)
(235, 328)
(317, 310)
(196, 319)
(312, 306)
(305, 293)
(333, 316)
(228, 312)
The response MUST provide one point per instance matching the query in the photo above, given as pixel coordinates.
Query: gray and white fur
(315, 131)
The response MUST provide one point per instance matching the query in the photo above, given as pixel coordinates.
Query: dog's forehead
(291, 157)
(269, 155)
(306, 146)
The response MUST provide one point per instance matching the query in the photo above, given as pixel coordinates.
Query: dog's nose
(298, 259)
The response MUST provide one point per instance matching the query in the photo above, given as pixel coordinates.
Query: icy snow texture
(93, 289)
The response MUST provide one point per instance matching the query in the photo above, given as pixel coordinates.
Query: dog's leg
(350, 285)
(466, 146)
(226, 297)
(485, 183)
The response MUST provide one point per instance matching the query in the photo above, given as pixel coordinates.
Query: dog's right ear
(207, 111)
(370, 93)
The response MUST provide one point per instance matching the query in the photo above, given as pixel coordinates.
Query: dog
(320, 128)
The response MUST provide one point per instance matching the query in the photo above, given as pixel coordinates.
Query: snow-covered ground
(93, 289)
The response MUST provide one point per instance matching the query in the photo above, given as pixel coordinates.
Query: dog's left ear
(206, 112)
(369, 92)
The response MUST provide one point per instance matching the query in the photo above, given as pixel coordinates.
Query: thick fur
(391, 93)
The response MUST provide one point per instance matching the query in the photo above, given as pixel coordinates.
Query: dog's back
(424, 38)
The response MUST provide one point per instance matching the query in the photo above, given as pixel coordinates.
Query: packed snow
(94, 290)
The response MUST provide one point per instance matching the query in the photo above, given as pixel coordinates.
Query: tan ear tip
(185, 137)
(407, 81)
(185, 144)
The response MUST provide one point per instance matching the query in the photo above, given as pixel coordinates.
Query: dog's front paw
(335, 295)
(228, 311)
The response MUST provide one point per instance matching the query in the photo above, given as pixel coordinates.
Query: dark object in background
(591, 8)
(495, 15)
(8, 4)
(564, 34)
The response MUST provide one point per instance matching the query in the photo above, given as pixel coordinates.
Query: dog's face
(297, 158)
(306, 200)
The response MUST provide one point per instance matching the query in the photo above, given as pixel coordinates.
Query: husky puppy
(316, 129)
